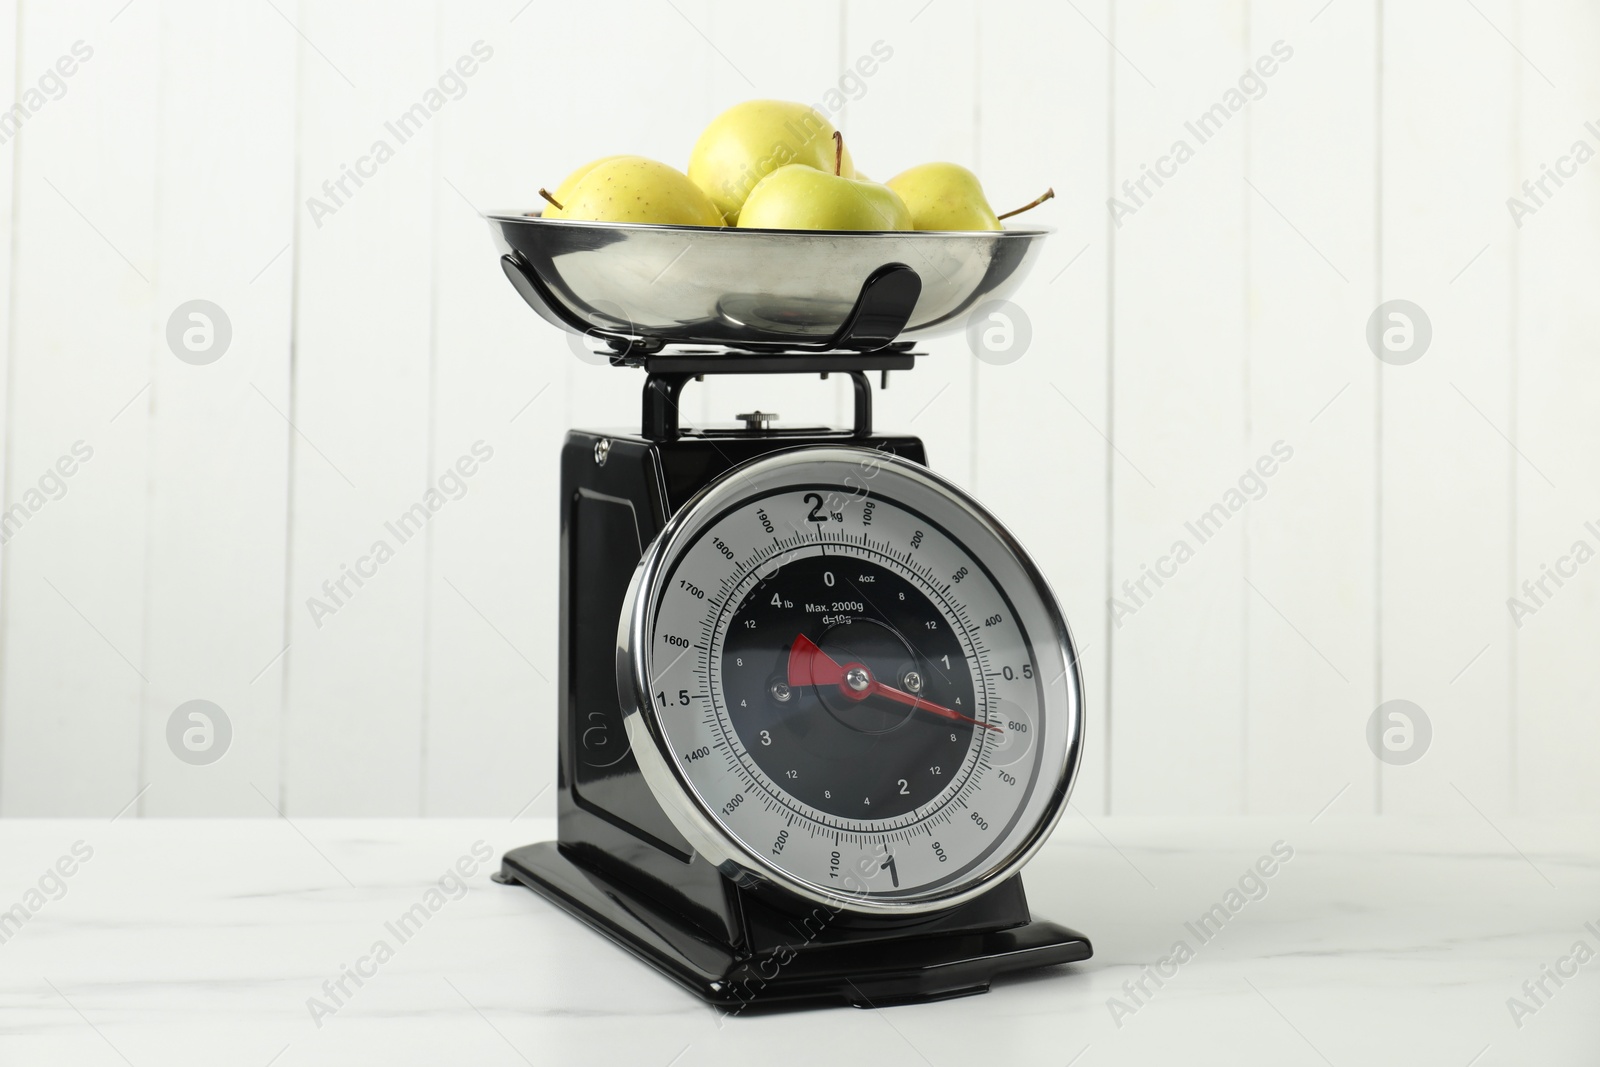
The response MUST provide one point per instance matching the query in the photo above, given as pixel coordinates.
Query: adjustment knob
(757, 420)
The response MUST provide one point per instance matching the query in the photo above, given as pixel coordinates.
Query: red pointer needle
(809, 665)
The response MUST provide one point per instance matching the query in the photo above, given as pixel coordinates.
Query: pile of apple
(769, 164)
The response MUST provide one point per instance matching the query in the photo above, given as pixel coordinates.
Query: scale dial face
(843, 676)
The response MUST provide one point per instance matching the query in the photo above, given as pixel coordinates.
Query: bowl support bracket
(888, 298)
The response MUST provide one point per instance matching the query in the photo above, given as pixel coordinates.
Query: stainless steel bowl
(700, 285)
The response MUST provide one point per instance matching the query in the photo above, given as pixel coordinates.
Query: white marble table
(1379, 942)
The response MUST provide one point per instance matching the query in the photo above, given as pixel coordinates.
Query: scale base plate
(914, 967)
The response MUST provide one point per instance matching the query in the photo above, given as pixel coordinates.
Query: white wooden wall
(373, 347)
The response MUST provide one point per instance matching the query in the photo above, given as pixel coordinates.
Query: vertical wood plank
(218, 451)
(1040, 457)
(507, 378)
(489, 741)
(1178, 420)
(9, 43)
(918, 108)
(74, 592)
(1553, 734)
(1311, 564)
(359, 404)
(615, 116)
(1449, 120)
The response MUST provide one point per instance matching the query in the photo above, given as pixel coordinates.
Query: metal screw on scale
(602, 450)
(757, 420)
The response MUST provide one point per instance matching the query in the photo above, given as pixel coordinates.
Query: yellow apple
(798, 197)
(749, 141)
(634, 189)
(554, 202)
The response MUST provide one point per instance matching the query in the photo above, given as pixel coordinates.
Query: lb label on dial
(849, 680)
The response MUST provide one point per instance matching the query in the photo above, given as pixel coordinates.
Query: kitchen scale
(817, 706)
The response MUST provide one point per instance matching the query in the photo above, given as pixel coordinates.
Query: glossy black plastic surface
(803, 957)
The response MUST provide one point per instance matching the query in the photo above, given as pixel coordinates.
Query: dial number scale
(846, 691)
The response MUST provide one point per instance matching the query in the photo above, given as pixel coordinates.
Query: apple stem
(838, 153)
(1046, 195)
(559, 205)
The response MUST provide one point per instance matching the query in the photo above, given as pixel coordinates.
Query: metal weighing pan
(747, 288)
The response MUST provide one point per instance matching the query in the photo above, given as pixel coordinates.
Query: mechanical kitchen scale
(817, 706)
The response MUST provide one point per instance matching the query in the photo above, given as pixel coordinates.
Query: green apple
(947, 196)
(749, 141)
(944, 196)
(555, 201)
(798, 197)
(634, 189)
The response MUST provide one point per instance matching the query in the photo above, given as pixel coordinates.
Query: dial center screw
(780, 691)
(912, 682)
(857, 678)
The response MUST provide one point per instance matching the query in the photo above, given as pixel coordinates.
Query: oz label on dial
(855, 680)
